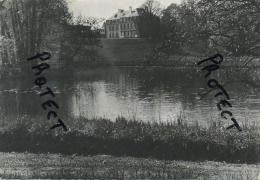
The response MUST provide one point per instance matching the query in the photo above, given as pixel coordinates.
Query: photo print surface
(130, 89)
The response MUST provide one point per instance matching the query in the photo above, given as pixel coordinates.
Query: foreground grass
(24, 165)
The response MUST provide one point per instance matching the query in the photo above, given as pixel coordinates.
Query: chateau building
(123, 24)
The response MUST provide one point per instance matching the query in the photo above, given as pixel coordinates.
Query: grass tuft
(171, 140)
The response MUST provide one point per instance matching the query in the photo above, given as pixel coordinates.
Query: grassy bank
(26, 165)
(171, 141)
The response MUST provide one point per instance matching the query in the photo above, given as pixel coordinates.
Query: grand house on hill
(123, 24)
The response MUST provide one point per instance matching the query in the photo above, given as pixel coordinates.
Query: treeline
(203, 27)
(28, 27)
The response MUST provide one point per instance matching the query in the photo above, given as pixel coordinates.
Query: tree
(6, 42)
(79, 39)
(152, 7)
(232, 26)
(149, 22)
(172, 40)
(208, 26)
(33, 26)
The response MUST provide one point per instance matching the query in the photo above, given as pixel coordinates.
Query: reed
(171, 140)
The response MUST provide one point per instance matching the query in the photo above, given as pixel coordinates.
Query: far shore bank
(105, 59)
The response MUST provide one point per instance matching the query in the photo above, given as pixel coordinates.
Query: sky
(106, 8)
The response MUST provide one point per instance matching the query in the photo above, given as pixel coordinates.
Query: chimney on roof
(120, 10)
(130, 8)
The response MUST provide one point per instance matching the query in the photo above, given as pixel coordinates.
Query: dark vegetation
(28, 27)
(204, 27)
(178, 141)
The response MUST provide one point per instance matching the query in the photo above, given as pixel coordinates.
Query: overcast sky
(106, 8)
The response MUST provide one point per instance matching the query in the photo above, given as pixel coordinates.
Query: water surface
(157, 94)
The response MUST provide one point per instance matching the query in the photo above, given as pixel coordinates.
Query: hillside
(124, 51)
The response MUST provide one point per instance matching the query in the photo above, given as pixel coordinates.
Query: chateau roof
(122, 13)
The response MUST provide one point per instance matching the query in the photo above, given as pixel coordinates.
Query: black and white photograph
(130, 89)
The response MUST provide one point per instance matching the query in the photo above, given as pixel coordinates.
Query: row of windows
(127, 26)
(122, 26)
(128, 19)
(121, 19)
(128, 33)
(113, 28)
(123, 34)
(113, 35)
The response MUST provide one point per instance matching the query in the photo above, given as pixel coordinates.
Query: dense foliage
(207, 26)
(28, 27)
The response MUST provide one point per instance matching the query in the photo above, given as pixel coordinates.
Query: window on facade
(122, 34)
(124, 26)
(120, 26)
(127, 26)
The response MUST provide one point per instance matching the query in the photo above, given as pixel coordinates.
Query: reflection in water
(159, 94)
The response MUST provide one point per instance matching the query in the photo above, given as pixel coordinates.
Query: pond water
(157, 94)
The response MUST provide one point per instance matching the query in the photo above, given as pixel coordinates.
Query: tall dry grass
(172, 140)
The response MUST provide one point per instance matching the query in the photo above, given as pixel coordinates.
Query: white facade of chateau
(122, 24)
